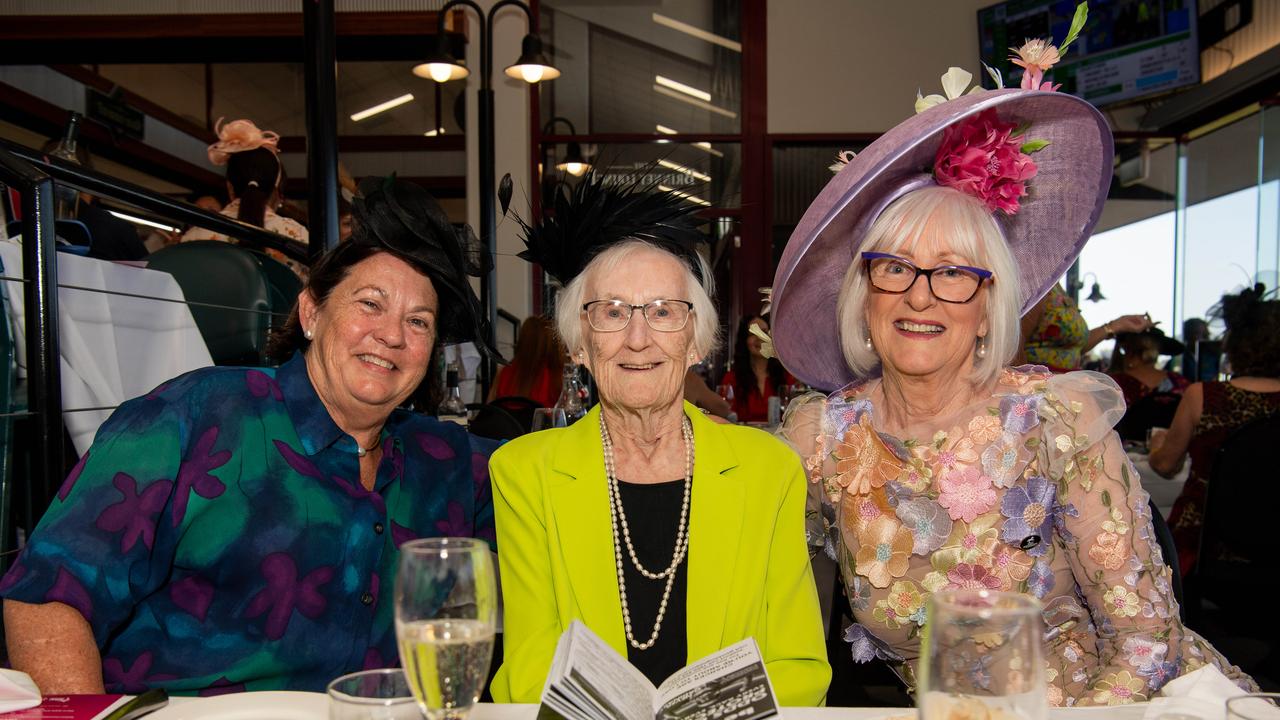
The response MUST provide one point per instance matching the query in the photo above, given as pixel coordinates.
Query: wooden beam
(103, 85)
(220, 25)
(381, 143)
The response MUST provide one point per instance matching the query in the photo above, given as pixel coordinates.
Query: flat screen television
(1129, 49)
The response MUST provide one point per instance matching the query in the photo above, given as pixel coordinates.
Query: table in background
(1163, 491)
(112, 347)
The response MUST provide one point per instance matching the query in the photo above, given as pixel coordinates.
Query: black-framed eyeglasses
(660, 315)
(949, 283)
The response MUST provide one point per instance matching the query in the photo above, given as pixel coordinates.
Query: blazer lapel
(714, 526)
(580, 504)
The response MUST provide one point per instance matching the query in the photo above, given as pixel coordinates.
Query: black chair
(1150, 411)
(1237, 563)
(495, 423)
(521, 408)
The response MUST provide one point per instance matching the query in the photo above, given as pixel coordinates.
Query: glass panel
(799, 174)
(709, 173)
(631, 67)
(1269, 199)
(363, 85)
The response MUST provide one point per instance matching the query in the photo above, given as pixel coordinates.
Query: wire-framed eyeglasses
(660, 315)
(949, 283)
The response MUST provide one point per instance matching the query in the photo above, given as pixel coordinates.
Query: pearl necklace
(618, 519)
(362, 451)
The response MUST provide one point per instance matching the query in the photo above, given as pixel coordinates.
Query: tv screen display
(1127, 50)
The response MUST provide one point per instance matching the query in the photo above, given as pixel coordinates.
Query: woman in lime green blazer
(592, 526)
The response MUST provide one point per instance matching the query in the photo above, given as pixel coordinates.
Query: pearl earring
(867, 341)
(982, 347)
(308, 334)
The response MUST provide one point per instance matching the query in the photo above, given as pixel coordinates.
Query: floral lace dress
(1027, 490)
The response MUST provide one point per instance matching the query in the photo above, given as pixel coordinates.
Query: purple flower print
(373, 660)
(480, 472)
(867, 647)
(284, 594)
(14, 575)
(435, 446)
(72, 477)
(193, 595)
(1030, 511)
(457, 524)
(135, 514)
(298, 462)
(133, 680)
(1019, 413)
(895, 493)
(391, 453)
(843, 414)
(375, 582)
(401, 534)
(929, 525)
(194, 474)
(68, 591)
(1159, 673)
(262, 385)
(222, 686)
(1041, 580)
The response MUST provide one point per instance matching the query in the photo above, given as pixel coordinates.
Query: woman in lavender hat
(937, 465)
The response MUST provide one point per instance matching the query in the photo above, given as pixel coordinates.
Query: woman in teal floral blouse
(236, 528)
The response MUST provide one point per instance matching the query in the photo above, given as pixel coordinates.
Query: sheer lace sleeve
(1107, 538)
(802, 429)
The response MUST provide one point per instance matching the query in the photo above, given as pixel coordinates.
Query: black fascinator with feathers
(406, 220)
(600, 212)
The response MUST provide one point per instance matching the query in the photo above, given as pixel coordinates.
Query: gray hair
(706, 322)
(938, 217)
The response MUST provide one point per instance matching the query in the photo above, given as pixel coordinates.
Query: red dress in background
(545, 389)
(754, 407)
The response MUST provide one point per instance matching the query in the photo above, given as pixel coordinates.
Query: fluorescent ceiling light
(706, 146)
(691, 198)
(697, 32)
(686, 170)
(666, 82)
(382, 107)
(694, 102)
(140, 221)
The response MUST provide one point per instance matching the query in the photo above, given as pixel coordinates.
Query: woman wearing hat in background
(940, 465)
(1133, 365)
(236, 529)
(667, 534)
(253, 180)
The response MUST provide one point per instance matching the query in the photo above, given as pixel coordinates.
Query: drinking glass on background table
(981, 657)
(372, 695)
(546, 418)
(725, 392)
(446, 600)
(1259, 706)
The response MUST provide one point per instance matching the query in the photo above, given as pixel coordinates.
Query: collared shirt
(217, 538)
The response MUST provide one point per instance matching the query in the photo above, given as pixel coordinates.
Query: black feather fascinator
(602, 211)
(403, 218)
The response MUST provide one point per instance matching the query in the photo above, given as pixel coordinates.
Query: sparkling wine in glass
(982, 657)
(446, 601)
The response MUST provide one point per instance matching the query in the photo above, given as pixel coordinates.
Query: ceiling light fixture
(661, 90)
(141, 221)
(434, 133)
(382, 107)
(694, 31)
(691, 198)
(689, 90)
(686, 170)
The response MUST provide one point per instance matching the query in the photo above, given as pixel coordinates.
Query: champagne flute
(446, 600)
(982, 657)
(547, 418)
(372, 695)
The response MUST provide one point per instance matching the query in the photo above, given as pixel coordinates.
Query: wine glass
(982, 656)
(725, 391)
(372, 695)
(1258, 706)
(544, 418)
(446, 600)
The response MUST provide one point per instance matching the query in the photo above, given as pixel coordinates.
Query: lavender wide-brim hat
(1056, 217)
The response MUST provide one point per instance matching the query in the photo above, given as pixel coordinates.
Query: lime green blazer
(748, 576)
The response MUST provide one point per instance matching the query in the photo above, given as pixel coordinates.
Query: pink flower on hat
(980, 157)
(239, 136)
(1036, 57)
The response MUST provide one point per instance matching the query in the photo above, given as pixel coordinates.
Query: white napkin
(17, 692)
(1202, 693)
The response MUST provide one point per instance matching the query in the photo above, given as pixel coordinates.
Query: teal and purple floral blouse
(217, 538)
(1025, 490)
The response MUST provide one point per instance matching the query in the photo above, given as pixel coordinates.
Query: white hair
(937, 217)
(706, 322)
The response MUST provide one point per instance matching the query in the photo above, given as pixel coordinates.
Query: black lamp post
(574, 162)
(532, 67)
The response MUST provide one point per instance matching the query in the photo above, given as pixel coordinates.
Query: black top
(653, 517)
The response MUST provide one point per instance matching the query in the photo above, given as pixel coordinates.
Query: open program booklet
(590, 681)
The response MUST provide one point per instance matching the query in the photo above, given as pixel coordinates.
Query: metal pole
(44, 376)
(322, 124)
(488, 196)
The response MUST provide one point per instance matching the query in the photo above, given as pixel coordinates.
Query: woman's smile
(919, 329)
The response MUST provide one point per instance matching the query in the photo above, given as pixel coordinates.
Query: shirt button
(367, 598)
(377, 527)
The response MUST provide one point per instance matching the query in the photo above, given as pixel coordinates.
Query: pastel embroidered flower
(1030, 512)
(980, 157)
(1040, 582)
(903, 605)
(859, 511)
(965, 542)
(969, 576)
(867, 647)
(1108, 552)
(1119, 689)
(984, 428)
(895, 494)
(1000, 460)
(1144, 653)
(883, 552)
(859, 593)
(1158, 674)
(1020, 413)
(929, 525)
(951, 451)
(1009, 564)
(1121, 601)
(863, 462)
(966, 494)
(843, 412)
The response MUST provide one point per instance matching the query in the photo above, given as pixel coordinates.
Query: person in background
(1210, 411)
(110, 237)
(667, 534)
(253, 176)
(700, 394)
(1055, 335)
(536, 369)
(345, 220)
(754, 377)
(208, 202)
(237, 528)
(1133, 365)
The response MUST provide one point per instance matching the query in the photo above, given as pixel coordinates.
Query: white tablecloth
(1161, 489)
(113, 348)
